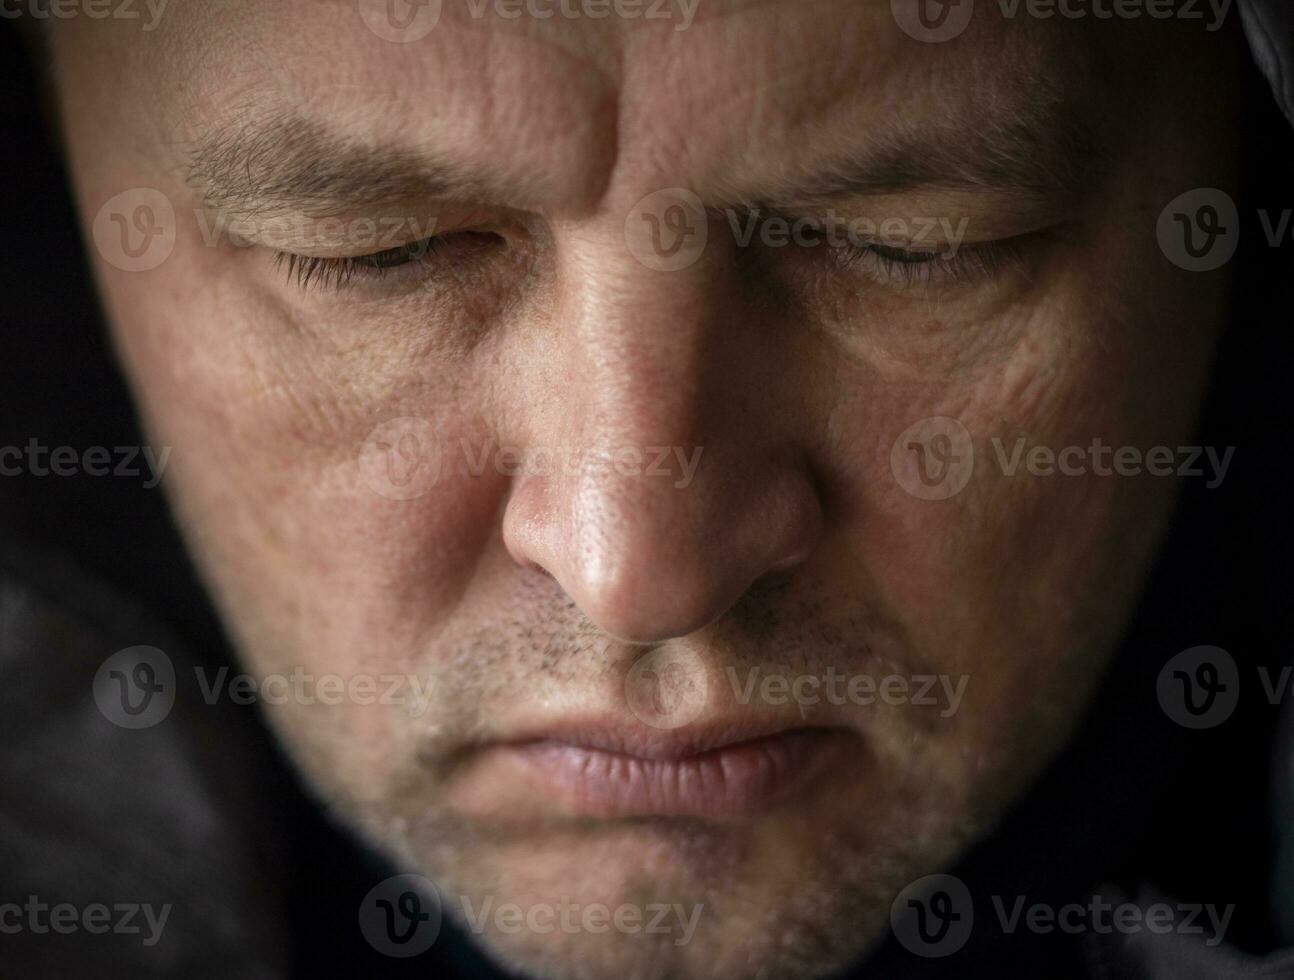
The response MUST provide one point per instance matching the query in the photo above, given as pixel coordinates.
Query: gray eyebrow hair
(1048, 150)
(283, 163)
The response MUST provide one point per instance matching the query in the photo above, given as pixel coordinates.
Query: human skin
(525, 595)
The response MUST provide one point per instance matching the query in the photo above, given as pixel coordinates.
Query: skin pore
(506, 158)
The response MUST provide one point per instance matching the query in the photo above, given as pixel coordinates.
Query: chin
(802, 890)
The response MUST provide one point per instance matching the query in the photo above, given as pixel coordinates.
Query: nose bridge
(668, 510)
(637, 349)
(641, 349)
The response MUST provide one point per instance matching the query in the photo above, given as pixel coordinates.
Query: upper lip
(644, 742)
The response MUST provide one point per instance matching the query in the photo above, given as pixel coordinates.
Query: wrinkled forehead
(557, 95)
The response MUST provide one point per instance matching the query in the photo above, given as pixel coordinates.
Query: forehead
(701, 92)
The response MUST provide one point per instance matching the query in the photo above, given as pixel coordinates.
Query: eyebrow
(285, 163)
(1046, 150)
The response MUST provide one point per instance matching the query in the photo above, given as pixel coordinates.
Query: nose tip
(650, 565)
(649, 592)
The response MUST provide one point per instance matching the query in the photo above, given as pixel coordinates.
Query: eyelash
(338, 272)
(886, 264)
(904, 268)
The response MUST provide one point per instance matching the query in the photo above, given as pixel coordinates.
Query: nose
(648, 561)
(678, 489)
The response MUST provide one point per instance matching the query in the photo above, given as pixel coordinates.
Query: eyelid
(339, 270)
(408, 260)
(982, 261)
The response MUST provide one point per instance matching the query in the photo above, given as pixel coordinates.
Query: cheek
(325, 550)
(312, 479)
(1018, 578)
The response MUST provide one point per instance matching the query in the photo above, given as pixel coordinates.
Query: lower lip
(729, 781)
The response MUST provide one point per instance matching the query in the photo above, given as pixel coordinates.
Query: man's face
(676, 499)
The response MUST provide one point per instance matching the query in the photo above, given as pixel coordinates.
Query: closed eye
(904, 267)
(340, 271)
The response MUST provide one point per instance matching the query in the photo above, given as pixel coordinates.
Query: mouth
(708, 772)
